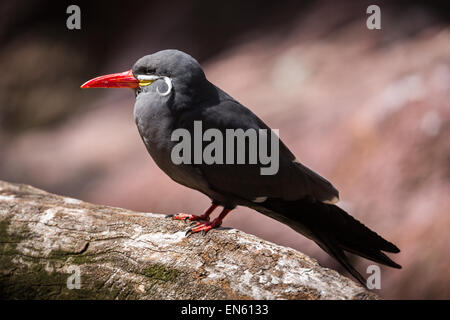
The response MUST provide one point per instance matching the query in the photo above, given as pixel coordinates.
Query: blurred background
(368, 109)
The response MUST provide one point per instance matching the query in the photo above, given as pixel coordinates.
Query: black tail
(334, 230)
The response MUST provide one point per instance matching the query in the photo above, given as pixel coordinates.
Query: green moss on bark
(161, 272)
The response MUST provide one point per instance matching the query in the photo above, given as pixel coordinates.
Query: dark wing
(292, 181)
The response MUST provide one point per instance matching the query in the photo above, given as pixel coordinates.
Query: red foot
(191, 217)
(204, 227)
(185, 217)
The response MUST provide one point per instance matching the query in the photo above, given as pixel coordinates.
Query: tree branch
(131, 255)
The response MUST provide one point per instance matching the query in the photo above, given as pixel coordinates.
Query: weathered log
(45, 240)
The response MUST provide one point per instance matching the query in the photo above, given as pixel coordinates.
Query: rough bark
(123, 254)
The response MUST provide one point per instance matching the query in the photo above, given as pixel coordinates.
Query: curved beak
(115, 80)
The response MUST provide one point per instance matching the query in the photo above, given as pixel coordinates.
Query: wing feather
(292, 181)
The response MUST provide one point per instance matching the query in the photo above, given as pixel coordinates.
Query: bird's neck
(189, 97)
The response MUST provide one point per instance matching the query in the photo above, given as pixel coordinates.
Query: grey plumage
(296, 195)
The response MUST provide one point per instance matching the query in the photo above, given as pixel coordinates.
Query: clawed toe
(185, 217)
(201, 227)
(201, 223)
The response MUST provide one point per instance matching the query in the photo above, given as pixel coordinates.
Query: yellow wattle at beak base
(144, 83)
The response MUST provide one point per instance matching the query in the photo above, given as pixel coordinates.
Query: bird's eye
(151, 71)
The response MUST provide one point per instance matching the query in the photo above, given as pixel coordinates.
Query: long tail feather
(333, 229)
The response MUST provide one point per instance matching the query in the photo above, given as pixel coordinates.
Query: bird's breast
(155, 127)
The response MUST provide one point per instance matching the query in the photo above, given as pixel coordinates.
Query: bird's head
(161, 72)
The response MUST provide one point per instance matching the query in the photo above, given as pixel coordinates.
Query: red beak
(115, 80)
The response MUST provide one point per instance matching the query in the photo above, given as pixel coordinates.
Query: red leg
(191, 217)
(204, 227)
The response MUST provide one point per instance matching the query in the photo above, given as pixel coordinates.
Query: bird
(173, 93)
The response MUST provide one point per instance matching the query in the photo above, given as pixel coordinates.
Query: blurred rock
(37, 87)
